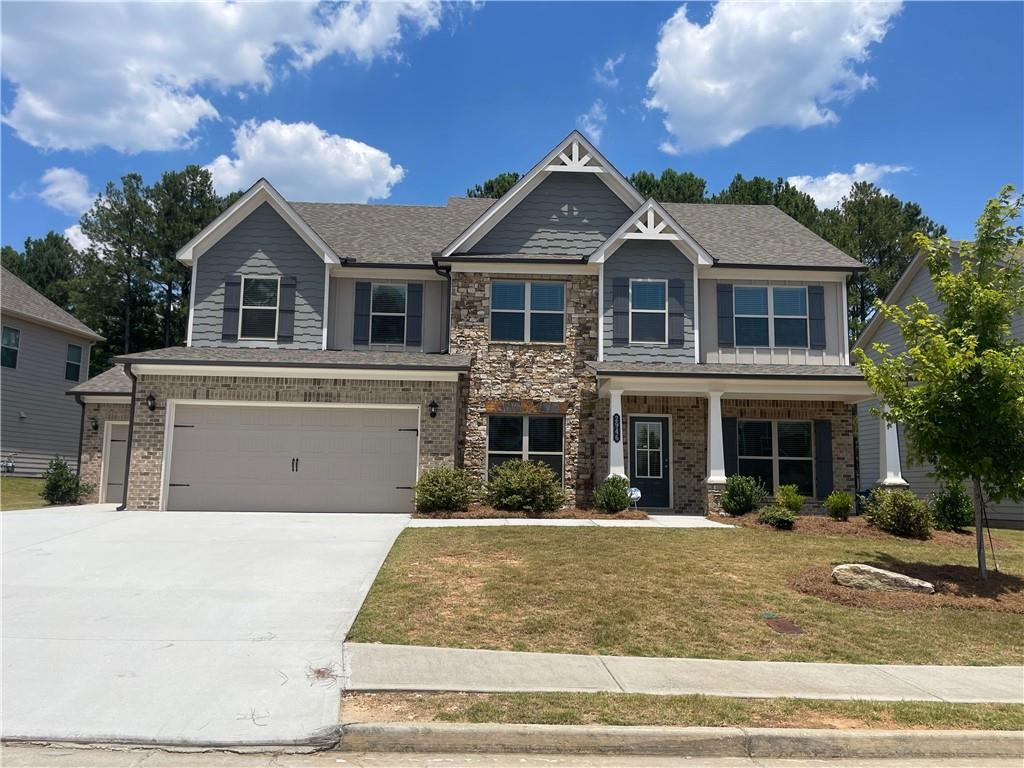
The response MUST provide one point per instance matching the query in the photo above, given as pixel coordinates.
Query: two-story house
(335, 351)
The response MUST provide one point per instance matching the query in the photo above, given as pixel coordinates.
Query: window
(648, 311)
(387, 313)
(647, 452)
(525, 311)
(73, 363)
(259, 308)
(9, 348)
(777, 453)
(532, 438)
(776, 318)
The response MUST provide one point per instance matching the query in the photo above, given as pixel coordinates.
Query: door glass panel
(647, 454)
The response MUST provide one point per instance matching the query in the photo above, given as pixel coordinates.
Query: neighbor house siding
(262, 245)
(341, 312)
(868, 446)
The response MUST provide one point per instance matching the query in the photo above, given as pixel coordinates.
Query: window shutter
(729, 443)
(414, 315)
(822, 457)
(361, 324)
(286, 311)
(620, 312)
(725, 325)
(816, 315)
(232, 303)
(676, 314)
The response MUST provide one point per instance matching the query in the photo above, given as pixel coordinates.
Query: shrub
(446, 489)
(742, 495)
(612, 495)
(898, 512)
(524, 486)
(839, 504)
(789, 497)
(61, 485)
(951, 508)
(777, 517)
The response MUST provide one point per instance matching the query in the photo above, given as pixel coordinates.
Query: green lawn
(21, 493)
(685, 593)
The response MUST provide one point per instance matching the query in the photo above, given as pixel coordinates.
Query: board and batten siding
(262, 245)
(37, 419)
(645, 259)
(567, 214)
(341, 313)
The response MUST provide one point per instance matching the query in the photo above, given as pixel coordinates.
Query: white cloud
(305, 162)
(754, 65)
(66, 189)
(138, 76)
(605, 74)
(829, 189)
(592, 121)
(77, 238)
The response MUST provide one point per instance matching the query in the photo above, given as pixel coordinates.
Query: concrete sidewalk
(373, 667)
(654, 521)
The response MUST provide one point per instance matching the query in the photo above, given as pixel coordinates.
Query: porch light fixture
(433, 409)
(151, 402)
(94, 424)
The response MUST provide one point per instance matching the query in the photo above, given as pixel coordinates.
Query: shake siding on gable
(263, 245)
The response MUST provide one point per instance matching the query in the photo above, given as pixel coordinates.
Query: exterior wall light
(94, 424)
(433, 409)
(151, 402)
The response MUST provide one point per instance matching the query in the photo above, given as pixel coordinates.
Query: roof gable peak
(652, 222)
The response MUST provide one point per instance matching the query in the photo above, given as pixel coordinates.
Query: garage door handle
(409, 429)
(403, 487)
(179, 485)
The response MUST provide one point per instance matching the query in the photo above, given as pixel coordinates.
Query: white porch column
(616, 425)
(889, 456)
(716, 448)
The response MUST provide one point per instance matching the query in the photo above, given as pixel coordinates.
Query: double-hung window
(259, 308)
(73, 363)
(9, 347)
(527, 311)
(775, 317)
(776, 453)
(648, 311)
(789, 317)
(529, 438)
(388, 302)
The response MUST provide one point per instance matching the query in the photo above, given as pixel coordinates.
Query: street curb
(677, 742)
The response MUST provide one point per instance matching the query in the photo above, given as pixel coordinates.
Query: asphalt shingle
(607, 368)
(19, 298)
(308, 358)
(112, 381)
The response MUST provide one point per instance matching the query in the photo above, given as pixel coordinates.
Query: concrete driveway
(180, 627)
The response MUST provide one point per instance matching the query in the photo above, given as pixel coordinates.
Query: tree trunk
(979, 520)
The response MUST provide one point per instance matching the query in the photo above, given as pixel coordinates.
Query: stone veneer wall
(517, 377)
(437, 435)
(91, 457)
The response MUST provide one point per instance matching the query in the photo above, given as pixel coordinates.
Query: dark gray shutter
(816, 315)
(725, 327)
(414, 315)
(286, 311)
(822, 457)
(620, 312)
(232, 303)
(731, 446)
(676, 315)
(361, 321)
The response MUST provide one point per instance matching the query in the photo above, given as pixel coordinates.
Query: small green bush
(742, 495)
(789, 497)
(839, 504)
(951, 508)
(525, 486)
(446, 489)
(612, 495)
(61, 485)
(898, 512)
(777, 517)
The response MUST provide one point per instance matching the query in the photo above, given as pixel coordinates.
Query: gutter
(131, 433)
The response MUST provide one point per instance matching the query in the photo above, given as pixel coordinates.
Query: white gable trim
(574, 154)
(652, 222)
(260, 192)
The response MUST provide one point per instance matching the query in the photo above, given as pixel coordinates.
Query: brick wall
(91, 458)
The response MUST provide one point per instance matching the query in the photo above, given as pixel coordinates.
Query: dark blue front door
(649, 459)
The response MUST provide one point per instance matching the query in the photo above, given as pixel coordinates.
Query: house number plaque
(617, 428)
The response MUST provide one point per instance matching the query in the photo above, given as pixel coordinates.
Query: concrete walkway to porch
(654, 521)
(375, 667)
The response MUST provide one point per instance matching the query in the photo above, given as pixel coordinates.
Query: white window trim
(771, 317)
(526, 311)
(647, 311)
(525, 453)
(16, 348)
(404, 314)
(242, 308)
(67, 359)
(775, 458)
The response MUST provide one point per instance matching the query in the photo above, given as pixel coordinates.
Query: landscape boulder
(863, 576)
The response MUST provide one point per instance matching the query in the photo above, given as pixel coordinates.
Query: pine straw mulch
(484, 512)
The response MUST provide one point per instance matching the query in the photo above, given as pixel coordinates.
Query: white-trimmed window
(775, 317)
(648, 311)
(647, 453)
(527, 438)
(73, 363)
(528, 311)
(388, 305)
(260, 301)
(9, 349)
(777, 453)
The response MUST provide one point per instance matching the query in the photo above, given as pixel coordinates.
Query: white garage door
(290, 459)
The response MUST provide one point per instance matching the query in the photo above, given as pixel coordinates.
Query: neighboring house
(883, 455)
(336, 351)
(45, 350)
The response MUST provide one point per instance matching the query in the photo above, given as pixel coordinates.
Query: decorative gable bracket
(652, 222)
(575, 158)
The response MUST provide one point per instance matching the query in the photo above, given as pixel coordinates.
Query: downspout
(131, 431)
(81, 435)
(447, 275)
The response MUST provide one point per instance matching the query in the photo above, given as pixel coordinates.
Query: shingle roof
(112, 381)
(19, 298)
(608, 368)
(303, 358)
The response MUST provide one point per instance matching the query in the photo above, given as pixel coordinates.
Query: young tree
(958, 389)
(495, 187)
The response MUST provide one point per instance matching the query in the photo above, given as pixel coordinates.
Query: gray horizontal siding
(262, 245)
(568, 213)
(341, 313)
(868, 446)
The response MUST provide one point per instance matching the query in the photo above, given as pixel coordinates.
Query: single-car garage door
(292, 459)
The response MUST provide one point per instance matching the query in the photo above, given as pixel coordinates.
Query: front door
(114, 456)
(649, 464)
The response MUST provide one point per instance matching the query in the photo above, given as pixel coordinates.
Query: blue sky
(415, 102)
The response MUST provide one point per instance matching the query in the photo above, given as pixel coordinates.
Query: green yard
(21, 493)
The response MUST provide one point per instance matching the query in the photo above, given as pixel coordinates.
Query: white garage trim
(165, 471)
(104, 462)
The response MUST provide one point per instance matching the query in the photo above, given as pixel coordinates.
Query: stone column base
(713, 498)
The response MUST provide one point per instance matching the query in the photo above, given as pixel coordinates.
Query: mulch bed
(484, 512)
